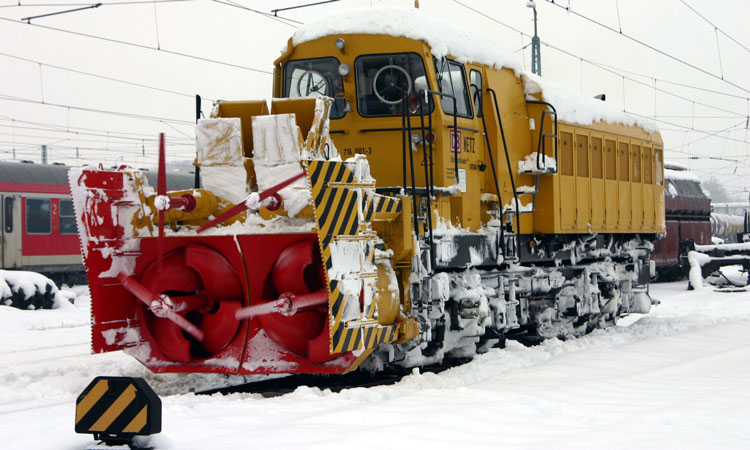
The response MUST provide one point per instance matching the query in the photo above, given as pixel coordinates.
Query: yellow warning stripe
(88, 402)
(337, 202)
(109, 416)
(138, 422)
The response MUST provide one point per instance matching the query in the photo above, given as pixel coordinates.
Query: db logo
(455, 141)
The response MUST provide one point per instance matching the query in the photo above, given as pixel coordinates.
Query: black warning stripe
(376, 335)
(367, 206)
(336, 211)
(107, 416)
(369, 338)
(387, 204)
(386, 334)
(351, 339)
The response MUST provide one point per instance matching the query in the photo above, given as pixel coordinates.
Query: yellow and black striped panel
(118, 406)
(336, 212)
(378, 335)
(386, 208)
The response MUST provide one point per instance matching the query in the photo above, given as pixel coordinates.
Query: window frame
(26, 216)
(467, 89)
(477, 109)
(60, 217)
(8, 203)
(286, 90)
(430, 105)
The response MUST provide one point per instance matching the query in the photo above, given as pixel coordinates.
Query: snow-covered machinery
(387, 209)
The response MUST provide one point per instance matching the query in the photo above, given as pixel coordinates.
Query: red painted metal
(34, 188)
(208, 279)
(52, 243)
(159, 304)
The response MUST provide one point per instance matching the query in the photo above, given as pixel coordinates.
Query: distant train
(687, 217)
(728, 220)
(691, 217)
(39, 231)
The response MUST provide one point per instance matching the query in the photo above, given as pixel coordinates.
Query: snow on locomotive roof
(444, 38)
(573, 107)
(465, 45)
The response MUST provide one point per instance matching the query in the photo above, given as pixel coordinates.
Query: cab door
(10, 244)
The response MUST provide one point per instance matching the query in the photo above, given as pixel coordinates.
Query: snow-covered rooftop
(573, 107)
(465, 45)
(444, 38)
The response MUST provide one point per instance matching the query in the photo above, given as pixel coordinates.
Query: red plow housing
(283, 281)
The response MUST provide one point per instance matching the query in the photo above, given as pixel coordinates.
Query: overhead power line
(103, 77)
(649, 46)
(93, 110)
(719, 30)
(607, 68)
(66, 5)
(261, 13)
(141, 46)
(80, 130)
(688, 128)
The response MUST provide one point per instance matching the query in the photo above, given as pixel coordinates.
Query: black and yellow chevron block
(119, 406)
(343, 210)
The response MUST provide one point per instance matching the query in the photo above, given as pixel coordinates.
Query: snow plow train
(403, 200)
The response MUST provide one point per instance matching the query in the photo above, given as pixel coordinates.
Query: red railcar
(688, 217)
(39, 231)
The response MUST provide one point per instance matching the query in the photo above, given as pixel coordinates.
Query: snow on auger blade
(284, 281)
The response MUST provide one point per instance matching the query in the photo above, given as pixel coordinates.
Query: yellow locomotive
(451, 200)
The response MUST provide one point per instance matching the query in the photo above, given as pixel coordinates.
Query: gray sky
(709, 123)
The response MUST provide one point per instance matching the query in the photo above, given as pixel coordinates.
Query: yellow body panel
(610, 176)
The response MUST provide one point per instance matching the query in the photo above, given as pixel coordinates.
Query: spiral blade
(220, 327)
(289, 270)
(143, 294)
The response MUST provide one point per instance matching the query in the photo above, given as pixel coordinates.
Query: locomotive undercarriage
(561, 286)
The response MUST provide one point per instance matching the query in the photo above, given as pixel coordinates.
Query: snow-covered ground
(678, 377)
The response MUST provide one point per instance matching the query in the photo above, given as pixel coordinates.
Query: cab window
(384, 81)
(476, 90)
(452, 80)
(309, 77)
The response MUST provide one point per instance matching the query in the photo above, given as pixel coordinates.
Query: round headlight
(340, 44)
(344, 69)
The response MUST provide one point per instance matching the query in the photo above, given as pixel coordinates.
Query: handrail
(501, 243)
(407, 121)
(455, 124)
(507, 160)
(541, 145)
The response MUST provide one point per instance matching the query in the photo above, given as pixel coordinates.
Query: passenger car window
(305, 78)
(38, 216)
(383, 80)
(67, 217)
(8, 214)
(452, 80)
